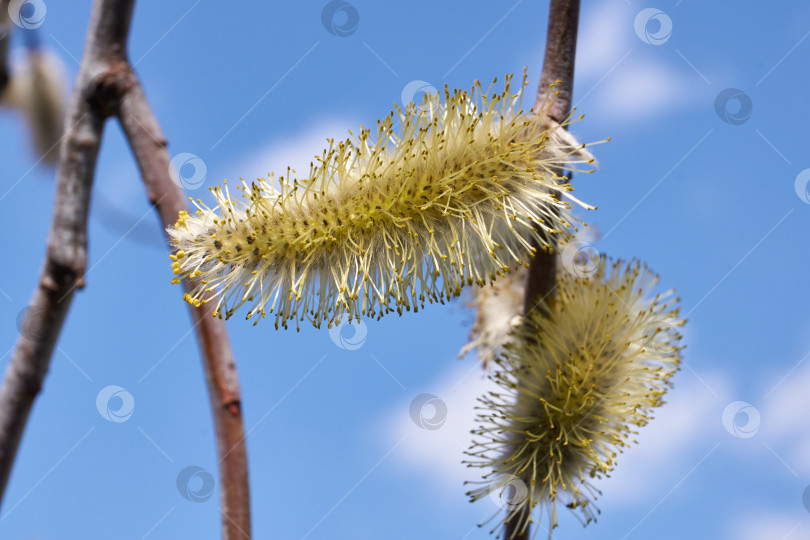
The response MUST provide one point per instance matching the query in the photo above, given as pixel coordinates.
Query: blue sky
(713, 201)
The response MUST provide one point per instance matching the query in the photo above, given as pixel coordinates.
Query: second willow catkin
(573, 388)
(454, 195)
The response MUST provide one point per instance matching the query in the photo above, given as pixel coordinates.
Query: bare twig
(66, 257)
(149, 146)
(561, 49)
(558, 65)
(5, 37)
(106, 86)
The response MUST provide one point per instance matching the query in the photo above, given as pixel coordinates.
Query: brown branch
(107, 86)
(149, 146)
(561, 49)
(5, 37)
(66, 256)
(558, 65)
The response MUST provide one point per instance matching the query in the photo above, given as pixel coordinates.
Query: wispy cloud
(693, 412)
(295, 151)
(437, 454)
(769, 525)
(604, 37)
(669, 444)
(618, 76)
(783, 412)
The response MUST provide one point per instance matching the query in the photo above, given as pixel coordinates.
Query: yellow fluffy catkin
(453, 193)
(37, 90)
(498, 309)
(573, 389)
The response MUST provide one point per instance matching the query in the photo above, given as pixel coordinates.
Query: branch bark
(149, 147)
(66, 256)
(106, 86)
(5, 37)
(558, 65)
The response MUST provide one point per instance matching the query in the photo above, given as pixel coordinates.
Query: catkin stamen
(447, 193)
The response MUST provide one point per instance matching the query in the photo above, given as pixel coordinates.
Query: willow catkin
(499, 306)
(498, 310)
(37, 90)
(455, 195)
(573, 389)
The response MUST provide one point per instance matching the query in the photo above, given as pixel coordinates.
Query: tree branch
(561, 50)
(558, 65)
(66, 256)
(5, 37)
(149, 147)
(106, 86)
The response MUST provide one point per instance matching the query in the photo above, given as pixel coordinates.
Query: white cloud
(770, 526)
(296, 152)
(438, 453)
(668, 445)
(602, 38)
(784, 428)
(621, 77)
(693, 411)
(640, 89)
(784, 418)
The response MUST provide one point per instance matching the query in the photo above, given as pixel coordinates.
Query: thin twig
(558, 65)
(107, 86)
(66, 256)
(149, 146)
(5, 37)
